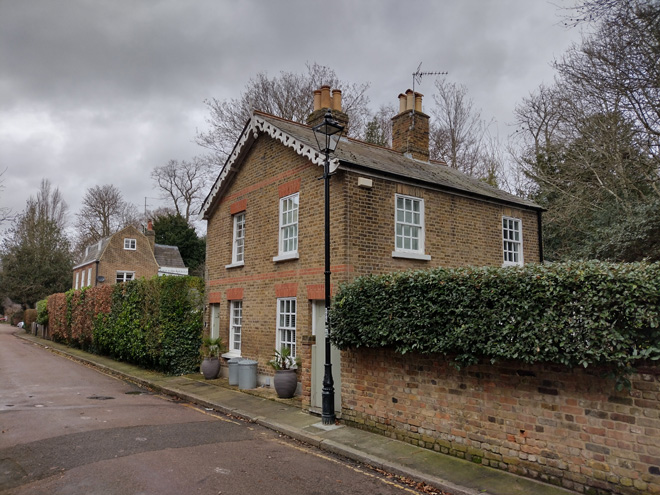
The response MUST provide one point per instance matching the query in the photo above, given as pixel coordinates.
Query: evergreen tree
(36, 256)
(173, 230)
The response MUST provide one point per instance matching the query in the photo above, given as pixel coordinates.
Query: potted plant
(211, 357)
(285, 366)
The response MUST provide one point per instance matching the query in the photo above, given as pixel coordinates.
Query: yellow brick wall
(116, 258)
(459, 231)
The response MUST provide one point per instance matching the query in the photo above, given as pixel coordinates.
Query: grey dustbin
(233, 370)
(247, 374)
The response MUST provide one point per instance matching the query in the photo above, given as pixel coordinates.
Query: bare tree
(458, 132)
(379, 126)
(5, 212)
(103, 213)
(184, 183)
(288, 95)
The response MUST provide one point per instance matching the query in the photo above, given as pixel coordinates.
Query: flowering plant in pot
(285, 366)
(211, 357)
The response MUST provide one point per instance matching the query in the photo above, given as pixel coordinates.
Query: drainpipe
(96, 278)
(540, 231)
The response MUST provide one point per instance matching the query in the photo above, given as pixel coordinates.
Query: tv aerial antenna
(417, 77)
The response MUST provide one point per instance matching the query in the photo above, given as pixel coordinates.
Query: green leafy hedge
(154, 323)
(42, 312)
(575, 314)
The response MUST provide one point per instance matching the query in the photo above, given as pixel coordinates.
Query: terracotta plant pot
(210, 367)
(285, 382)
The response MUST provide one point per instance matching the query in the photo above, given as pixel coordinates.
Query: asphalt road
(69, 429)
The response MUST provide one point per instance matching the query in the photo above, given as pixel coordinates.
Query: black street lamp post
(327, 135)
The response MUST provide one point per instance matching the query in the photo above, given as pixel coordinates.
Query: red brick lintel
(286, 290)
(235, 294)
(238, 206)
(289, 188)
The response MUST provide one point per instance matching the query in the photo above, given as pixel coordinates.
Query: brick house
(127, 255)
(391, 209)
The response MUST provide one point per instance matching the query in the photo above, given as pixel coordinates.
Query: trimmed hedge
(154, 323)
(574, 314)
(29, 317)
(42, 312)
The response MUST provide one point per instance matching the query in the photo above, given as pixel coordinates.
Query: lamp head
(327, 133)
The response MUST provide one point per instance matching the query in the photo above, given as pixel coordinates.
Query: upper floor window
(130, 244)
(77, 277)
(512, 241)
(238, 247)
(409, 227)
(289, 225)
(124, 276)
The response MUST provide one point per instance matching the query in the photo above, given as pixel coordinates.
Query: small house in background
(127, 255)
(392, 209)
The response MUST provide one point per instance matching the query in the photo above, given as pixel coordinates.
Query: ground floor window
(124, 276)
(286, 324)
(236, 325)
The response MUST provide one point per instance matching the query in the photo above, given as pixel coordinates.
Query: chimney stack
(151, 235)
(410, 127)
(327, 99)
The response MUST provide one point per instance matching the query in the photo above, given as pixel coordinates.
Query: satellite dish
(100, 279)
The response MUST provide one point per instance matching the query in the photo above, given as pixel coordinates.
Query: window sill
(286, 257)
(230, 354)
(505, 265)
(411, 256)
(235, 265)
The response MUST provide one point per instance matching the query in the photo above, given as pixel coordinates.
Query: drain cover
(100, 397)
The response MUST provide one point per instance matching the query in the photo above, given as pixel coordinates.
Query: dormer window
(130, 244)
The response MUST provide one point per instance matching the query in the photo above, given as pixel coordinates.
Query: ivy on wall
(575, 314)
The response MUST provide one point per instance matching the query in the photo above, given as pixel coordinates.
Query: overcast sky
(96, 92)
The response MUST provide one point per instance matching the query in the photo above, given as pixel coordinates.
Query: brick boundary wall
(567, 427)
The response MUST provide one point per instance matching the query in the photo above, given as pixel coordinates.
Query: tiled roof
(356, 155)
(168, 256)
(93, 252)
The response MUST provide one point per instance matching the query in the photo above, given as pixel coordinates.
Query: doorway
(318, 361)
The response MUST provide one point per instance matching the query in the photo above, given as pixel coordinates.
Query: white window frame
(399, 250)
(286, 324)
(287, 225)
(89, 276)
(125, 275)
(130, 244)
(235, 326)
(238, 241)
(512, 248)
(77, 277)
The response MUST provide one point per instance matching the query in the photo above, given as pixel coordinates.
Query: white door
(318, 361)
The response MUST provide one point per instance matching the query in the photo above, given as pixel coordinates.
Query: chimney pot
(317, 99)
(325, 97)
(402, 103)
(336, 99)
(418, 102)
(410, 99)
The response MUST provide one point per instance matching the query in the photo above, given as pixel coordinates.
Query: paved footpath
(449, 474)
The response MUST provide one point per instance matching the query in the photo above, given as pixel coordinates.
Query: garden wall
(569, 427)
